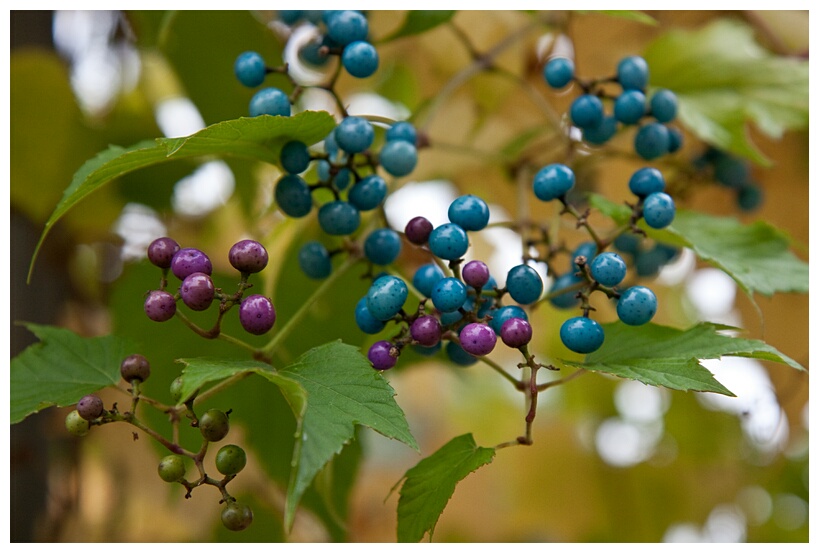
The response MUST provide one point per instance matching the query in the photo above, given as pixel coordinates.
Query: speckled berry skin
(475, 274)
(214, 425)
(365, 320)
(582, 335)
(135, 367)
(76, 425)
(645, 181)
(426, 330)
(659, 210)
(553, 181)
(197, 291)
(354, 134)
(516, 332)
(188, 261)
(524, 284)
(469, 212)
(248, 256)
(426, 277)
(448, 294)
(386, 297)
(379, 356)
(503, 314)
(90, 407)
(448, 241)
(159, 305)
(339, 218)
(637, 306)
(608, 269)
(382, 246)
(477, 339)
(418, 230)
(257, 314)
(161, 252)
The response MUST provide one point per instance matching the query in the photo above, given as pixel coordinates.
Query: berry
(425, 351)
(347, 26)
(339, 218)
(658, 210)
(426, 330)
(630, 107)
(90, 407)
(382, 246)
(159, 305)
(448, 241)
(749, 197)
(475, 274)
(380, 355)
(477, 339)
(293, 196)
(731, 171)
(230, 459)
(295, 157)
(402, 131)
(368, 193)
(559, 72)
(608, 269)
(651, 141)
(172, 468)
(426, 277)
(586, 111)
(188, 261)
(582, 335)
(587, 250)
(365, 320)
(197, 291)
(524, 284)
(664, 105)
(553, 181)
(386, 297)
(458, 355)
(135, 367)
(627, 243)
(632, 73)
(289, 17)
(602, 133)
(675, 139)
(516, 332)
(248, 256)
(176, 389)
(448, 294)
(646, 181)
(214, 425)
(257, 314)
(250, 69)
(311, 53)
(503, 314)
(398, 157)
(360, 59)
(236, 516)
(76, 425)
(314, 260)
(568, 299)
(636, 306)
(418, 230)
(161, 252)
(469, 212)
(354, 134)
(270, 101)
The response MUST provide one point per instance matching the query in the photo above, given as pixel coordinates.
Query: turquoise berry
(586, 111)
(368, 193)
(398, 157)
(645, 181)
(365, 320)
(314, 260)
(503, 314)
(630, 107)
(360, 59)
(658, 210)
(553, 181)
(608, 269)
(469, 212)
(295, 157)
(426, 277)
(558, 72)
(458, 355)
(567, 299)
(293, 196)
(347, 26)
(270, 101)
(386, 297)
(632, 73)
(354, 134)
(651, 141)
(524, 284)
(339, 218)
(448, 294)
(636, 306)
(250, 69)
(582, 335)
(402, 130)
(448, 241)
(602, 133)
(587, 249)
(382, 246)
(664, 105)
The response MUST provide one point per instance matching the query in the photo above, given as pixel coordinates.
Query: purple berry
(426, 330)
(257, 314)
(248, 256)
(161, 252)
(188, 261)
(516, 332)
(90, 407)
(476, 274)
(197, 291)
(135, 367)
(160, 305)
(418, 230)
(380, 355)
(477, 339)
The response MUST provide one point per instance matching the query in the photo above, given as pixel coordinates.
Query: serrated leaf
(724, 80)
(664, 356)
(62, 368)
(258, 138)
(419, 21)
(429, 485)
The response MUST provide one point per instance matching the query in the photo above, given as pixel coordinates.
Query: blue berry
(627, 243)
(380, 355)
(312, 54)
(586, 249)
(675, 139)
(630, 107)
(503, 314)
(608, 269)
(354, 134)
(360, 59)
(469, 212)
(289, 17)
(647, 263)
(602, 133)
(458, 355)
(582, 335)
(477, 339)
(632, 73)
(645, 181)
(426, 277)
(402, 131)
(658, 210)
(347, 26)
(250, 69)
(448, 241)
(314, 260)
(386, 297)
(427, 351)
(636, 306)
(651, 141)
(295, 157)
(365, 320)
(524, 284)
(448, 294)
(382, 246)
(270, 101)
(398, 157)
(586, 111)
(664, 105)
(568, 299)
(559, 72)
(553, 181)
(293, 196)
(339, 218)
(749, 197)
(368, 193)
(732, 172)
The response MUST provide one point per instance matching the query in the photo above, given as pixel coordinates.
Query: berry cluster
(653, 139)
(197, 291)
(733, 173)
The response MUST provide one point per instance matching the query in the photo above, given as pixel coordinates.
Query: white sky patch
(138, 225)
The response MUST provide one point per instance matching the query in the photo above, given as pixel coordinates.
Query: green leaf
(419, 21)
(62, 368)
(258, 138)
(664, 356)
(631, 15)
(429, 485)
(724, 80)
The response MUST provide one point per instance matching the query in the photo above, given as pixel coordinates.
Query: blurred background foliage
(612, 460)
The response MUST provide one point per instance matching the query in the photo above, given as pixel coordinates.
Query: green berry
(214, 425)
(172, 468)
(176, 389)
(76, 425)
(231, 459)
(237, 516)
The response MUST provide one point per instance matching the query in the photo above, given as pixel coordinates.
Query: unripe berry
(171, 468)
(248, 256)
(76, 425)
(214, 425)
(135, 367)
(231, 459)
(237, 516)
(90, 407)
